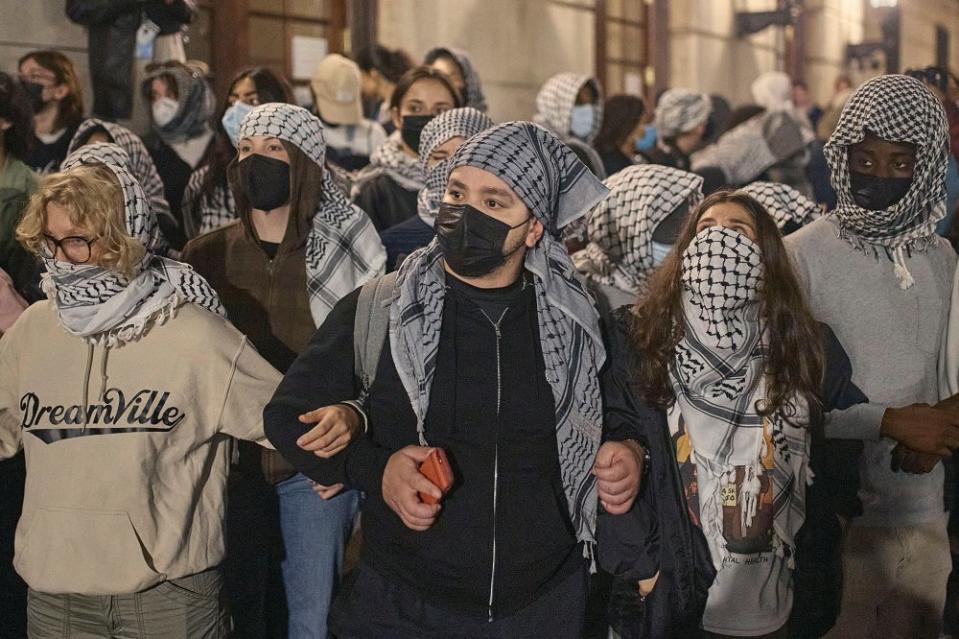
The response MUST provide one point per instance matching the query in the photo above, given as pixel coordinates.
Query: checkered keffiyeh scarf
(389, 159)
(896, 108)
(343, 251)
(784, 203)
(717, 376)
(621, 228)
(558, 189)
(140, 163)
(474, 89)
(105, 307)
(680, 110)
(465, 123)
(210, 210)
(555, 102)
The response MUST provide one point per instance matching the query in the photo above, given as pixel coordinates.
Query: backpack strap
(370, 328)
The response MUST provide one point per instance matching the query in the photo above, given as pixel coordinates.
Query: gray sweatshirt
(892, 337)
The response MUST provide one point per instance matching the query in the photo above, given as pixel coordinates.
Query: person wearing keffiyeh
(441, 137)
(571, 106)
(722, 343)
(876, 272)
(627, 235)
(297, 249)
(123, 388)
(493, 354)
(457, 65)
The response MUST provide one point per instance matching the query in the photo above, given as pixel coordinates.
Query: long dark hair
(621, 115)
(270, 87)
(416, 74)
(794, 354)
(15, 109)
(70, 109)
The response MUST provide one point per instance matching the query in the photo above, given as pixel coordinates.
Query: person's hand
(922, 428)
(909, 461)
(336, 426)
(402, 481)
(618, 470)
(327, 492)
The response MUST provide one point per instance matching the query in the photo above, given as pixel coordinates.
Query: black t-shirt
(47, 158)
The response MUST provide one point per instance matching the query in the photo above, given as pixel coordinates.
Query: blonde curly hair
(94, 198)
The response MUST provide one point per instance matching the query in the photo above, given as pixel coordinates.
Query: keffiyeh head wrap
(896, 108)
(140, 163)
(465, 123)
(389, 158)
(681, 110)
(620, 228)
(105, 307)
(558, 189)
(556, 99)
(195, 102)
(718, 379)
(784, 203)
(343, 250)
(474, 89)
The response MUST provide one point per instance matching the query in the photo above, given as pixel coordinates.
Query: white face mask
(164, 110)
(660, 251)
(581, 121)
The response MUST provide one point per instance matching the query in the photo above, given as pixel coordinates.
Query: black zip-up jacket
(386, 202)
(515, 454)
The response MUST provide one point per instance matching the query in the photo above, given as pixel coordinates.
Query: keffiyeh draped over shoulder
(558, 189)
(896, 108)
(474, 89)
(140, 163)
(620, 228)
(465, 123)
(784, 203)
(556, 99)
(390, 159)
(105, 307)
(343, 251)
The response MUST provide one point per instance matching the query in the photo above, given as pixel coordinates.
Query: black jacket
(111, 32)
(386, 202)
(451, 564)
(658, 534)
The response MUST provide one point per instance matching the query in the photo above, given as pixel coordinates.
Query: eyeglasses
(75, 248)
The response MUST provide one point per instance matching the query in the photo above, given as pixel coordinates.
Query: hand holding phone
(437, 469)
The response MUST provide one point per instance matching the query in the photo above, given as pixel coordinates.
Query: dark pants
(252, 579)
(370, 606)
(13, 592)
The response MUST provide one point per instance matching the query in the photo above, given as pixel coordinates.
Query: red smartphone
(437, 469)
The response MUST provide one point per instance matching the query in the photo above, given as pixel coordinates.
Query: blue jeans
(315, 532)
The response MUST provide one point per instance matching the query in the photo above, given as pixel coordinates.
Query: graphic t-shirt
(752, 593)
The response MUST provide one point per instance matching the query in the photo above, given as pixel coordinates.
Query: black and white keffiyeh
(555, 102)
(718, 377)
(558, 189)
(896, 108)
(343, 251)
(212, 209)
(105, 307)
(784, 203)
(389, 158)
(474, 89)
(140, 163)
(620, 228)
(465, 123)
(680, 110)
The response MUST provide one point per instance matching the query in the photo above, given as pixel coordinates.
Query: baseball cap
(336, 86)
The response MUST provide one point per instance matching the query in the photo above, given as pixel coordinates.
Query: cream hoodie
(137, 495)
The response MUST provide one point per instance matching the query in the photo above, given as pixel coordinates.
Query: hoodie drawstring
(86, 384)
(103, 374)
(906, 279)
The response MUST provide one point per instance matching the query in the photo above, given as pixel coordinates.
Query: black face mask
(266, 181)
(472, 242)
(35, 93)
(875, 193)
(412, 128)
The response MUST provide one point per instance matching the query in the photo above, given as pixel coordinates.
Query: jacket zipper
(499, 397)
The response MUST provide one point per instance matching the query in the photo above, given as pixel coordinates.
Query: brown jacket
(265, 299)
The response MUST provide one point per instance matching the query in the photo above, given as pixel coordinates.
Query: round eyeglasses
(75, 248)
